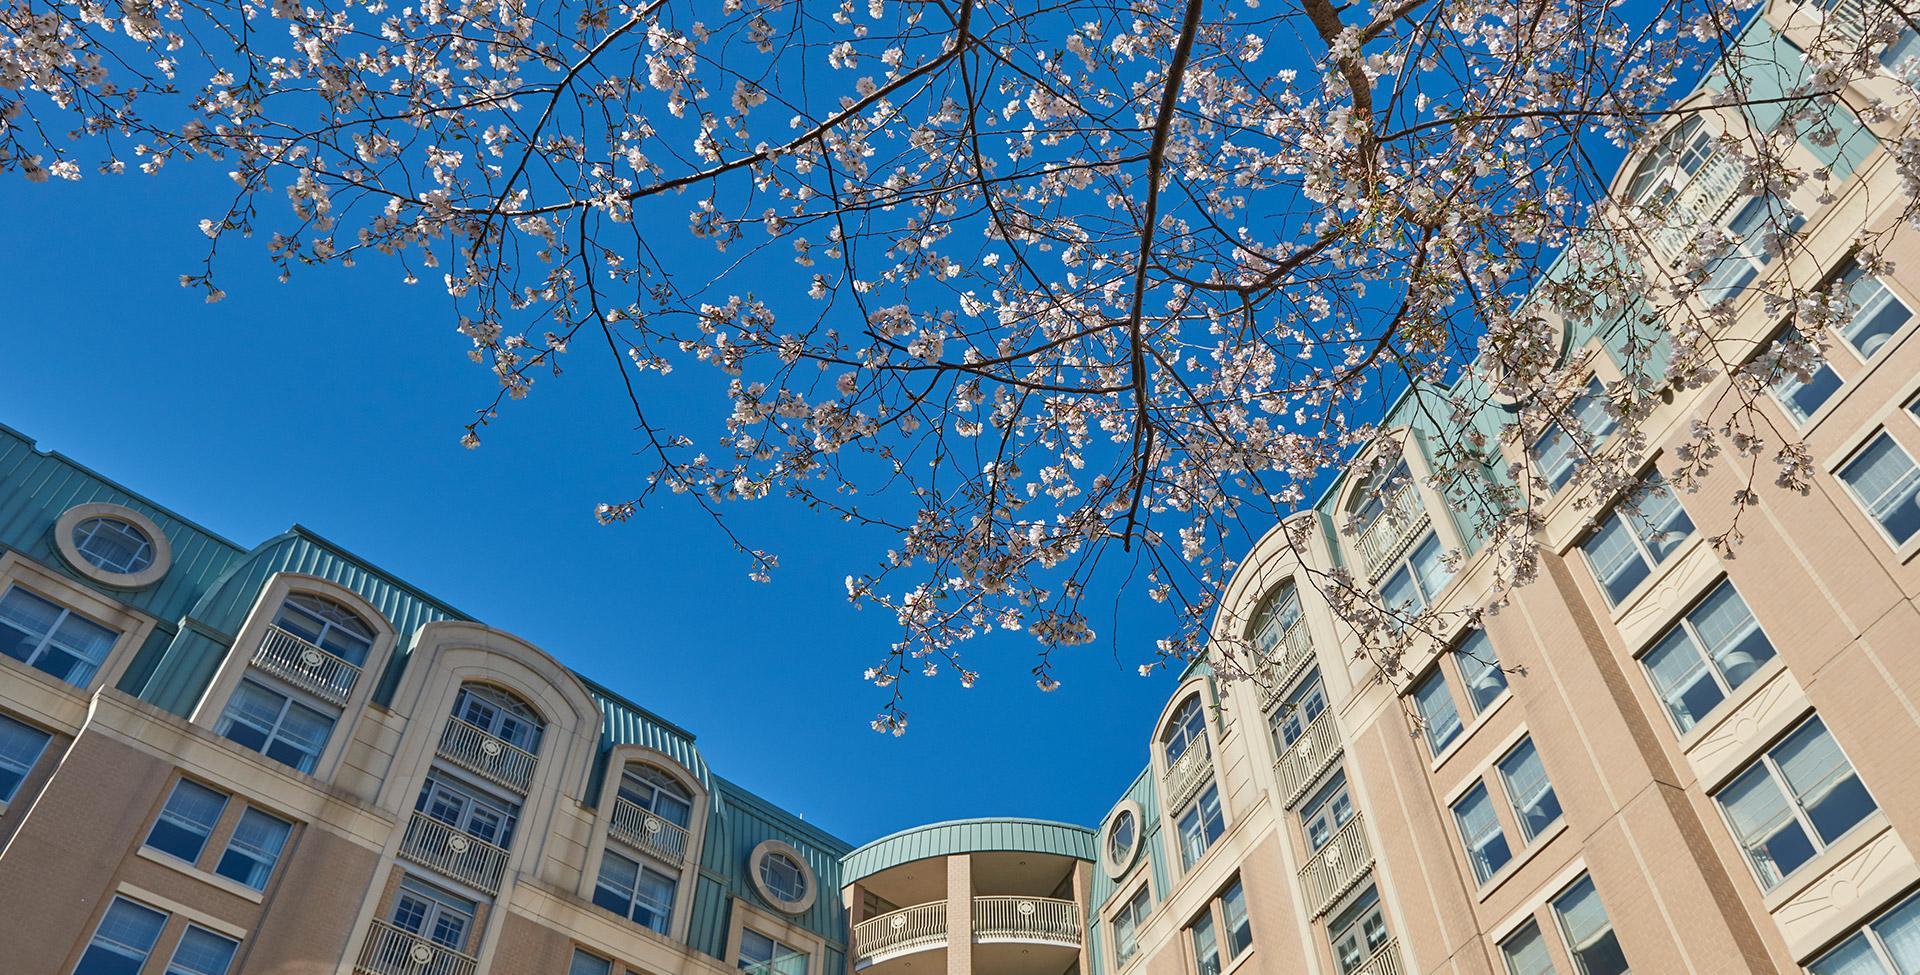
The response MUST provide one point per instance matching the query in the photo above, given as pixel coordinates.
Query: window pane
(1801, 398)
(20, 749)
(186, 820)
(1899, 932)
(1526, 952)
(1535, 806)
(1730, 635)
(1659, 521)
(1822, 780)
(1206, 948)
(1486, 846)
(1854, 956)
(1764, 823)
(201, 952)
(122, 941)
(1188, 727)
(1398, 594)
(1437, 712)
(1480, 669)
(1589, 934)
(1616, 562)
(1680, 674)
(1429, 567)
(585, 964)
(254, 849)
(1233, 908)
(1885, 480)
(1877, 316)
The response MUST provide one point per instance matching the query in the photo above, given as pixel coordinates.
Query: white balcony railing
(639, 828)
(1188, 774)
(391, 951)
(909, 929)
(1701, 200)
(460, 855)
(1308, 756)
(1335, 868)
(1290, 656)
(1049, 920)
(1385, 961)
(473, 749)
(306, 666)
(1384, 538)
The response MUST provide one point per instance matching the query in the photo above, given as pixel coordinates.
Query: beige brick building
(1663, 758)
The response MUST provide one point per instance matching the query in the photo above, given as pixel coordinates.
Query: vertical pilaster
(960, 914)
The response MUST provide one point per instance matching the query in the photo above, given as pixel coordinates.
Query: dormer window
(499, 714)
(49, 637)
(655, 791)
(1188, 727)
(1671, 165)
(1278, 614)
(1560, 450)
(112, 545)
(277, 725)
(327, 625)
(1373, 499)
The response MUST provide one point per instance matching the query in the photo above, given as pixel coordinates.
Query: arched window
(657, 792)
(1671, 164)
(1375, 495)
(1277, 614)
(501, 714)
(1188, 727)
(327, 625)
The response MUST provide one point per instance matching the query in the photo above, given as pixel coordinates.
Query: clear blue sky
(337, 400)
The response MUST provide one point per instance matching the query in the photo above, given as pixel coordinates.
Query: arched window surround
(618, 758)
(1198, 688)
(1425, 502)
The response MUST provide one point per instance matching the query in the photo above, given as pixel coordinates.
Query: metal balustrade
(898, 932)
(391, 951)
(1308, 756)
(1188, 774)
(1293, 653)
(458, 854)
(306, 666)
(1044, 919)
(638, 827)
(1701, 200)
(1335, 868)
(1382, 541)
(1386, 961)
(473, 749)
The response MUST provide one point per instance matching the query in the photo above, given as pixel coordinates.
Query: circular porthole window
(781, 875)
(1120, 841)
(113, 545)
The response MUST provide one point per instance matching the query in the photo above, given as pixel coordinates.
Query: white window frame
(45, 640)
(1795, 803)
(1684, 624)
(291, 697)
(1477, 846)
(1514, 799)
(247, 851)
(176, 967)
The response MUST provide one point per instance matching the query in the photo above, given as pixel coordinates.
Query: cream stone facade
(1660, 756)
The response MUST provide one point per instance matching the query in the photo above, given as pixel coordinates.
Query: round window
(781, 876)
(112, 544)
(1122, 840)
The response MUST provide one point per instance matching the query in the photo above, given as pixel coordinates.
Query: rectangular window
(1439, 717)
(50, 637)
(1730, 272)
(1639, 534)
(201, 952)
(275, 725)
(1206, 947)
(468, 810)
(1525, 952)
(762, 955)
(186, 820)
(636, 892)
(1709, 653)
(1535, 807)
(123, 940)
(1885, 481)
(432, 913)
(254, 848)
(1479, 670)
(1409, 588)
(1887, 945)
(1127, 924)
(1590, 940)
(586, 964)
(1238, 924)
(1487, 847)
(1877, 315)
(1802, 398)
(20, 748)
(1290, 720)
(1358, 932)
(1200, 825)
(1328, 809)
(1793, 801)
(1558, 452)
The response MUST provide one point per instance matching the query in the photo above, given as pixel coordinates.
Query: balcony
(391, 951)
(1701, 200)
(639, 828)
(1335, 868)
(432, 843)
(1307, 757)
(900, 932)
(1188, 775)
(1291, 656)
(1047, 920)
(306, 666)
(1385, 961)
(1388, 535)
(473, 749)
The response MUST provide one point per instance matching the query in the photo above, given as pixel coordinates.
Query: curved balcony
(306, 666)
(1335, 868)
(638, 827)
(460, 855)
(1188, 775)
(1309, 755)
(1047, 920)
(1701, 200)
(472, 748)
(391, 951)
(1388, 534)
(917, 928)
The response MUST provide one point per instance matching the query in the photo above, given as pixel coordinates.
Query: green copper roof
(967, 836)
